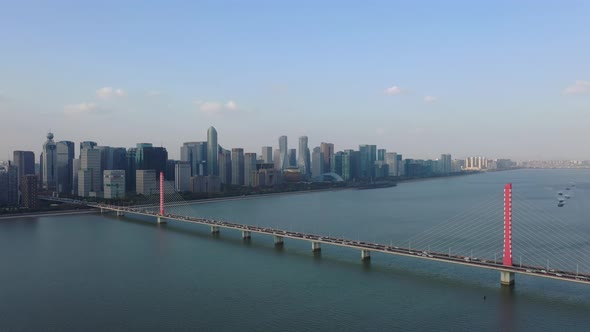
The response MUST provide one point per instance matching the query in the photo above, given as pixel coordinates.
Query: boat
(560, 204)
(567, 196)
(560, 193)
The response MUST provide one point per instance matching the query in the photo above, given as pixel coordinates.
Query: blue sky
(494, 78)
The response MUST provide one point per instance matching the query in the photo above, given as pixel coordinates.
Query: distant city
(105, 172)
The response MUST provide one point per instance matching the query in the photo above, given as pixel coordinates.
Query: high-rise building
(328, 152)
(170, 174)
(8, 185)
(90, 161)
(337, 163)
(267, 154)
(29, 188)
(87, 145)
(249, 167)
(391, 160)
(303, 160)
(354, 163)
(446, 163)
(317, 162)
(401, 170)
(212, 152)
(76, 166)
(146, 183)
(381, 154)
(277, 159)
(182, 176)
(114, 184)
(225, 166)
(195, 153)
(24, 161)
(84, 182)
(49, 164)
(65, 166)
(292, 158)
(130, 170)
(237, 166)
(150, 157)
(368, 156)
(284, 153)
(205, 184)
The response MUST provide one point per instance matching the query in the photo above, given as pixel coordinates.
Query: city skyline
(466, 78)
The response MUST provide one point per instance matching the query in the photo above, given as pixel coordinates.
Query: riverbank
(48, 213)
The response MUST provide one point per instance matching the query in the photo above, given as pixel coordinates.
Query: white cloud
(214, 107)
(82, 108)
(578, 88)
(109, 92)
(393, 90)
(231, 105)
(430, 99)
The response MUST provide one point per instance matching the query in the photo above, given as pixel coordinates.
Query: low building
(114, 184)
(205, 184)
(145, 182)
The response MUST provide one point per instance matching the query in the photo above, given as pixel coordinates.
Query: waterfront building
(400, 168)
(284, 153)
(237, 166)
(225, 166)
(303, 160)
(90, 161)
(149, 157)
(84, 182)
(195, 153)
(24, 161)
(446, 164)
(29, 187)
(249, 167)
(328, 152)
(182, 176)
(212, 152)
(277, 159)
(86, 145)
(381, 169)
(317, 162)
(205, 184)
(49, 161)
(76, 166)
(267, 154)
(391, 160)
(114, 184)
(130, 170)
(146, 183)
(65, 166)
(8, 185)
(368, 156)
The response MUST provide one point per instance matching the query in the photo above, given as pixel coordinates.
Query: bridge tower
(507, 277)
(161, 219)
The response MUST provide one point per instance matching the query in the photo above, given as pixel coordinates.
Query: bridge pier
(246, 235)
(214, 229)
(278, 240)
(506, 278)
(365, 255)
(120, 213)
(315, 246)
(162, 220)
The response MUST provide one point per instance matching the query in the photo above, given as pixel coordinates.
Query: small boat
(568, 188)
(567, 196)
(560, 204)
(560, 193)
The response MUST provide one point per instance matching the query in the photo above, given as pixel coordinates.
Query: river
(103, 273)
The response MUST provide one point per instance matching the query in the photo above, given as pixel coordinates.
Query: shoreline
(48, 213)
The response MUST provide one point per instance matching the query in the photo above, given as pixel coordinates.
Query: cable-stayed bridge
(506, 234)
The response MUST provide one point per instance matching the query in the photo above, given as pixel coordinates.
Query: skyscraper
(130, 170)
(212, 152)
(150, 157)
(65, 166)
(114, 184)
(284, 153)
(368, 156)
(24, 161)
(391, 160)
(8, 185)
(29, 188)
(249, 167)
(446, 163)
(225, 166)
(237, 166)
(303, 160)
(292, 157)
(49, 164)
(381, 154)
(328, 151)
(90, 162)
(267, 154)
(182, 176)
(317, 162)
(195, 153)
(87, 145)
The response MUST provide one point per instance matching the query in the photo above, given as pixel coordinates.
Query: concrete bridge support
(506, 278)
(315, 246)
(278, 240)
(120, 213)
(365, 255)
(214, 229)
(246, 235)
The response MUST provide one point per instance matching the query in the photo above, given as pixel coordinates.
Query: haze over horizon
(499, 79)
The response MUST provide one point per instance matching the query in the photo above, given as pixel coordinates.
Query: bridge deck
(360, 245)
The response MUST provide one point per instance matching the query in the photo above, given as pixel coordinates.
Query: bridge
(505, 266)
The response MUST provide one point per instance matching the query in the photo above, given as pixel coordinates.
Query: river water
(103, 273)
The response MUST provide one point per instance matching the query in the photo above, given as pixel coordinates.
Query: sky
(502, 79)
